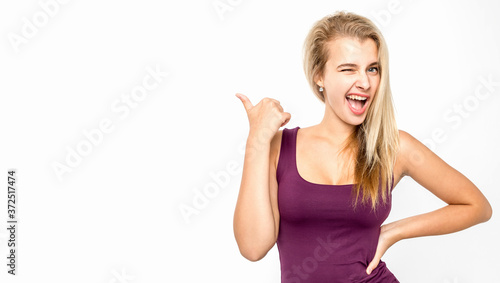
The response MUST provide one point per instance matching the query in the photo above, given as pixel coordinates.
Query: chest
(300, 202)
(322, 164)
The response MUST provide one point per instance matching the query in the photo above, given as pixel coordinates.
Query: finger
(287, 117)
(278, 104)
(246, 102)
(275, 100)
(279, 107)
(372, 265)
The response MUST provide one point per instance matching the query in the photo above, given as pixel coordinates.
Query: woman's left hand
(387, 238)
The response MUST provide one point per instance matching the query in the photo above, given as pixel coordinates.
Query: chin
(356, 121)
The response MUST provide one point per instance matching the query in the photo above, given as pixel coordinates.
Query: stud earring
(321, 89)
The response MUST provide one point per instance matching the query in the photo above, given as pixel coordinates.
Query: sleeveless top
(321, 238)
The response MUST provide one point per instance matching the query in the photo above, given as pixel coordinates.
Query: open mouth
(357, 103)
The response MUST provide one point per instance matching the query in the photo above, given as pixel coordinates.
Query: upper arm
(430, 171)
(273, 183)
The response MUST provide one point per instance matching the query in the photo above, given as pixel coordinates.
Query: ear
(318, 79)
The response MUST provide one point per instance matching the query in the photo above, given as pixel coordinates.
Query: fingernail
(369, 271)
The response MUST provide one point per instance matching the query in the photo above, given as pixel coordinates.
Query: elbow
(488, 212)
(484, 211)
(253, 254)
(254, 257)
(255, 250)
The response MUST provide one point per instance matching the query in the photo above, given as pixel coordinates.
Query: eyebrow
(354, 65)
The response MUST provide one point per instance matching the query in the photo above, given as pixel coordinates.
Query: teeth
(356, 97)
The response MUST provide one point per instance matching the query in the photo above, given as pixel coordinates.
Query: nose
(363, 82)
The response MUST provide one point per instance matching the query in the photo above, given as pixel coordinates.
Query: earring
(321, 89)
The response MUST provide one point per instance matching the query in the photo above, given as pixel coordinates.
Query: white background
(116, 216)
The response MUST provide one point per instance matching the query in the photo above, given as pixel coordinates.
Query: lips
(356, 103)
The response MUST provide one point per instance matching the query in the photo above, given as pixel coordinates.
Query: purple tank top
(321, 238)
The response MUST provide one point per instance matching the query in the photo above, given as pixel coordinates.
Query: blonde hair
(375, 142)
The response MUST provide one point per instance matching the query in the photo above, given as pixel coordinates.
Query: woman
(321, 193)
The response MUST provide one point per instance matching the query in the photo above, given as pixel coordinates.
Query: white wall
(114, 215)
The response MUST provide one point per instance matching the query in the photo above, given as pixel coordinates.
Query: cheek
(337, 88)
(338, 85)
(336, 97)
(375, 82)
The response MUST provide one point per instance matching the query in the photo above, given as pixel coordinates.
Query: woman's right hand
(265, 118)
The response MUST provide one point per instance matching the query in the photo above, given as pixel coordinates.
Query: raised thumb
(246, 102)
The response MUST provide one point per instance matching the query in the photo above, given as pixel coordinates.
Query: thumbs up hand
(265, 118)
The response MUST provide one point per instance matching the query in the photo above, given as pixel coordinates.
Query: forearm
(448, 219)
(253, 217)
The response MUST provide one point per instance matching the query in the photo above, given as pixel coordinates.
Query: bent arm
(467, 206)
(254, 223)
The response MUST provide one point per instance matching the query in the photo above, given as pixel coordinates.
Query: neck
(333, 128)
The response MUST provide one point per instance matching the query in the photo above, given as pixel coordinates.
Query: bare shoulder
(406, 143)
(414, 155)
(405, 139)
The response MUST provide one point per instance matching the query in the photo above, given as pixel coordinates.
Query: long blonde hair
(375, 142)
